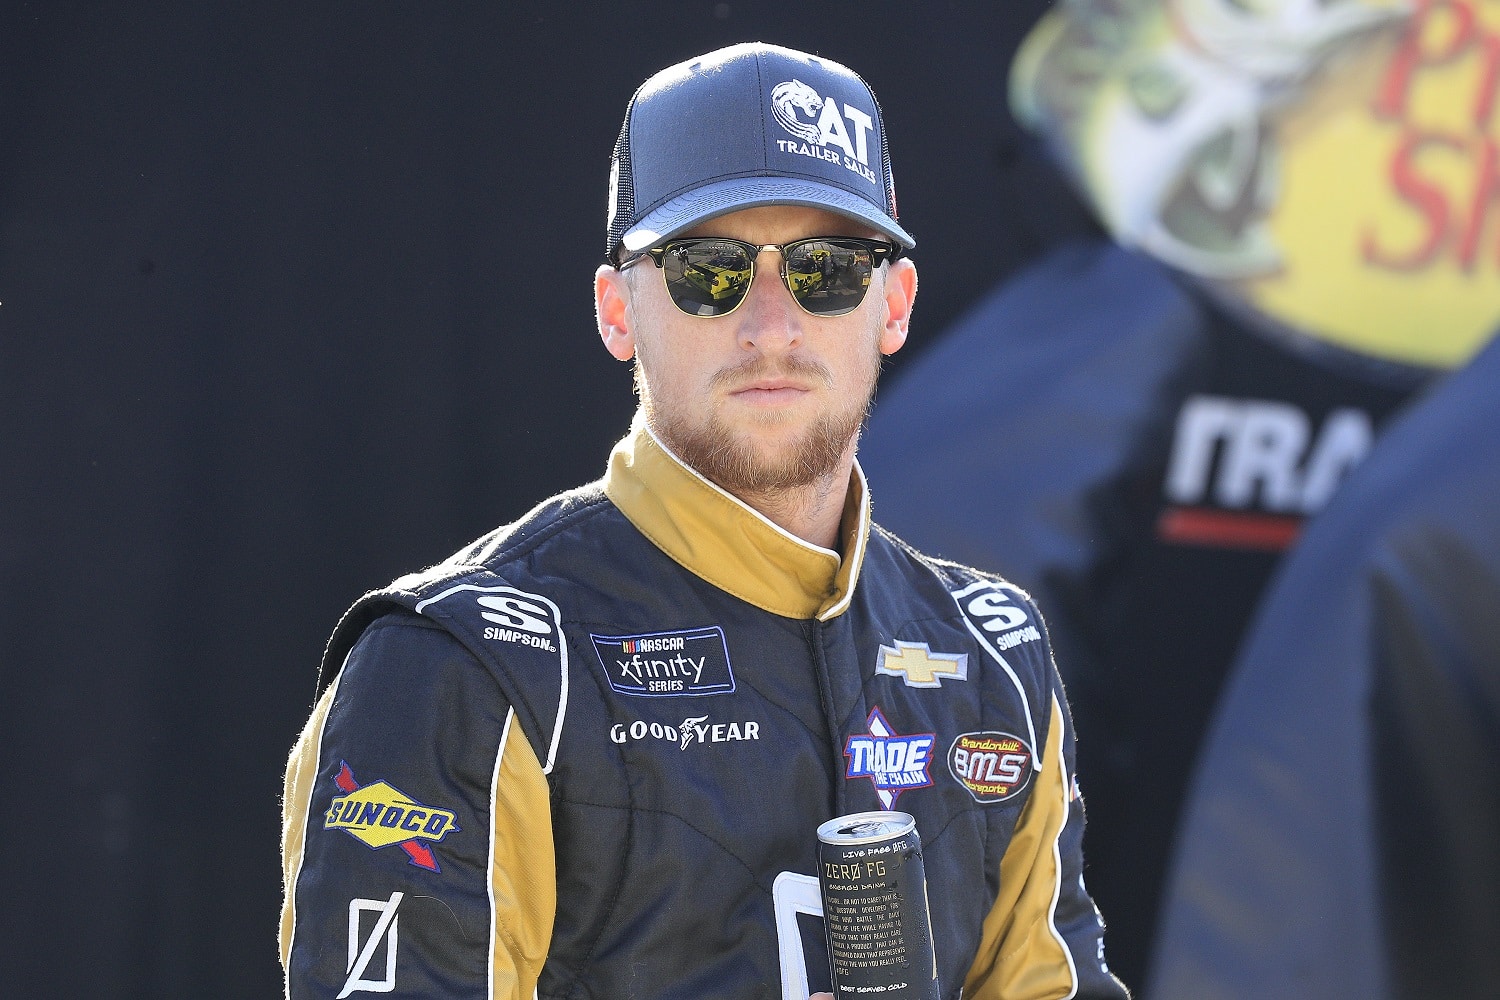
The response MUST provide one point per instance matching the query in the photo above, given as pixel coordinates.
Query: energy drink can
(875, 907)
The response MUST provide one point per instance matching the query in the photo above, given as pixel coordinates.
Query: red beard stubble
(713, 452)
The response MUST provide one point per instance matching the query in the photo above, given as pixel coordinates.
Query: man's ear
(612, 311)
(900, 293)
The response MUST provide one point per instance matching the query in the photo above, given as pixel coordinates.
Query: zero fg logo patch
(992, 766)
(379, 815)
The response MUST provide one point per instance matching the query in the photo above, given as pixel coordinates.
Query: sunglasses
(710, 276)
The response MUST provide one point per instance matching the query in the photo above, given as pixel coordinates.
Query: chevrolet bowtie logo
(919, 666)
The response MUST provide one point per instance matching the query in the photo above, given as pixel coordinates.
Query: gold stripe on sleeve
(296, 800)
(523, 868)
(1021, 955)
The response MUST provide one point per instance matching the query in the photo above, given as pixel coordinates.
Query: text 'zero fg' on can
(875, 907)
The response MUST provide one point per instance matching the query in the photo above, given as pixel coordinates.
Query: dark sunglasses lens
(829, 277)
(706, 277)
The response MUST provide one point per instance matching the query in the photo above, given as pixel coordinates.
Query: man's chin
(758, 463)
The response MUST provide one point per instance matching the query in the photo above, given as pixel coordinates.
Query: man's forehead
(781, 224)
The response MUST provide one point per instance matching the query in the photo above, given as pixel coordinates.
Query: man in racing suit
(587, 755)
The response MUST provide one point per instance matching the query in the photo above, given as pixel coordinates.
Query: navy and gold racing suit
(587, 757)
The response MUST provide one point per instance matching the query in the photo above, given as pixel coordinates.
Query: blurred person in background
(1300, 202)
(1341, 838)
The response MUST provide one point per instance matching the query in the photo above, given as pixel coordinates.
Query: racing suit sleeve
(1044, 937)
(416, 831)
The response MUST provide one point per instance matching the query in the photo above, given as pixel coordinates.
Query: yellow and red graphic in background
(1333, 164)
(1389, 220)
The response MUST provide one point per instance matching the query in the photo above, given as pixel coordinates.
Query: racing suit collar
(719, 538)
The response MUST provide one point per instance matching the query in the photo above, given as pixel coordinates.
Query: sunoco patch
(992, 766)
(667, 664)
(379, 815)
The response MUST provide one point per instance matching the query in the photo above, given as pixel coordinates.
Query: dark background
(293, 300)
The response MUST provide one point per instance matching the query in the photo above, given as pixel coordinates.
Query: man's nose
(770, 319)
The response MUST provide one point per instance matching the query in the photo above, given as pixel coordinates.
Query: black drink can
(875, 908)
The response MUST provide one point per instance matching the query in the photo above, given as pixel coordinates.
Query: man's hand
(821, 996)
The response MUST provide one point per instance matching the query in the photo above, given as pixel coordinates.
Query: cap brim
(712, 200)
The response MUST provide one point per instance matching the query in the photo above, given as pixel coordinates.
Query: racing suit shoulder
(1043, 936)
(489, 598)
(416, 829)
(1000, 614)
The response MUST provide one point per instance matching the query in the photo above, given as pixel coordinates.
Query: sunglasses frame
(880, 251)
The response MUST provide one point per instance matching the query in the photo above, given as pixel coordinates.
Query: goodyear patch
(894, 763)
(380, 815)
(992, 766)
(667, 664)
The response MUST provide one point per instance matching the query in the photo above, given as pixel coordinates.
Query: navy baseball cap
(748, 125)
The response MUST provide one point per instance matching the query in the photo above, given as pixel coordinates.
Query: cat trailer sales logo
(379, 815)
(825, 134)
(992, 766)
(894, 763)
(667, 664)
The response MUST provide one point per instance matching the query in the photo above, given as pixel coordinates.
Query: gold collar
(730, 544)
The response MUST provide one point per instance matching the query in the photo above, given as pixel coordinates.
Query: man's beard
(737, 466)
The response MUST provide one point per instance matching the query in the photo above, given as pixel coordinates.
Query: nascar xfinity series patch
(667, 664)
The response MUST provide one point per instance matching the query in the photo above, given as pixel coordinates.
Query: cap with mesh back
(748, 125)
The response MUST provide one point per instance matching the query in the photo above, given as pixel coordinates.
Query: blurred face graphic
(1331, 163)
